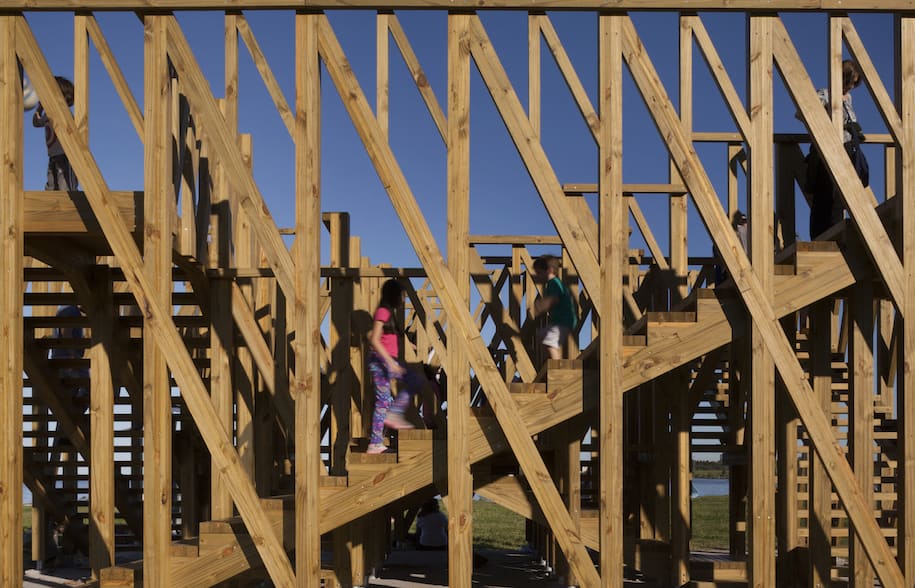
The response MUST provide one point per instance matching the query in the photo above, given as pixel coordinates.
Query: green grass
(495, 527)
(710, 523)
(26, 516)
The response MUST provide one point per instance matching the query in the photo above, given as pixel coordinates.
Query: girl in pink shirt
(385, 366)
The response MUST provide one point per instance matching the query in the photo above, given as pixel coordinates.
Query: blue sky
(503, 199)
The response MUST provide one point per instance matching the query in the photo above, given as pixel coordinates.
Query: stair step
(185, 548)
(371, 459)
(527, 388)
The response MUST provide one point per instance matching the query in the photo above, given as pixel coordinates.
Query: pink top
(388, 340)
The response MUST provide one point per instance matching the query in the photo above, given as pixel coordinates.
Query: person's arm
(39, 119)
(549, 299)
(375, 341)
(544, 303)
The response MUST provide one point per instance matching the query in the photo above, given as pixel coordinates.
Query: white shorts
(553, 335)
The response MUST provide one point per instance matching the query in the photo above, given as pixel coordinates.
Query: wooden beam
(758, 305)
(829, 142)
(819, 489)
(340, 340)
(101, 418)
(81, 74)
(307, 316)
(668, 5)
(861, 410)
(787, 522)
(460, 480)
(383, 71)
(535, 159)
(612, 248)
(534, 106)
(677, 386)
(161, 326)
(222, 336)
(459, 319)
(157, 405)
(761, 511)
(905, 88)
(11, 266)
(69, 212)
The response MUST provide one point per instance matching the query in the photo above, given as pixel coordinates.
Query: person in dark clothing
(826, 204)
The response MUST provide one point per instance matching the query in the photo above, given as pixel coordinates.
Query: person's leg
(382, 383)
(68, 179)
(837, 210)
(412, 385)
(51, 183)
(552, 341)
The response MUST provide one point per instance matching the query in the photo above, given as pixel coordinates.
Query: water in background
(711, 486)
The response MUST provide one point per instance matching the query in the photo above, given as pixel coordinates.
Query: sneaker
(375, 448)
(396, 421)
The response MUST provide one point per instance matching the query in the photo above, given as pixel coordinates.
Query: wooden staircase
(667, 341)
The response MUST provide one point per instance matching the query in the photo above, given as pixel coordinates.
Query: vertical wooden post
(81, 74)
(861, 408)
(681, 417)
(231, 71)
(761, 519)
(245, 380)
(341, 307)
(819, 503)
(383, 70)
(306, 254)
(157, 244)
(460, 481)
(533, 71)
(786, 498)
(221, 326)
(905, 87)
(101, 418)
(677, 203)
(265, 450)
(11, 288)
(221, 330)
(568, 469)
(738, 382)
(613, 249)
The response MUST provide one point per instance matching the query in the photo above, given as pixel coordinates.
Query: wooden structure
(237, 421)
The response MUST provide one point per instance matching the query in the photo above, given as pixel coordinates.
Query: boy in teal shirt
(557, 303)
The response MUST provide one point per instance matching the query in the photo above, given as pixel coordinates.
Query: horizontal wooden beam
(717, 5)
(69, 212)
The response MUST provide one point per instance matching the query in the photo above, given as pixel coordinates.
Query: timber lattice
(227, 427)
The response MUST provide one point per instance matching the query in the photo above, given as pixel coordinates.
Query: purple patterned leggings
(381, 376)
